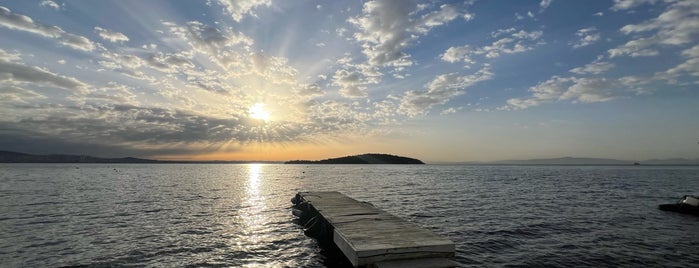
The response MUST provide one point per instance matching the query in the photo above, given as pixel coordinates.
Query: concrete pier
(372, 237)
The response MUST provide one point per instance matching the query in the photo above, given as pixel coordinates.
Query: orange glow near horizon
(282, 153)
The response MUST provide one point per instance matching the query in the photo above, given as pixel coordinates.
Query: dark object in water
(314, 225)
(688, 205)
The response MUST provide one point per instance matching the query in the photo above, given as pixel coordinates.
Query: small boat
(688, 205)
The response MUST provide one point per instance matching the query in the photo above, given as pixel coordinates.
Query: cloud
(240, 8)
(387, 28)
(518, 42)
(13, 94)
(20, 22)
(49, 3)
(223, 45)
(351, 83)
(677, 25)
(593, 68)
(111, 36)
(628, 4)
(544, 4)
(587, 36)
(589, 90)
(689, 67)
(310, 90)
(439, 91)
(456, 54)
(576, 90)
(14, 72)
(635, 48)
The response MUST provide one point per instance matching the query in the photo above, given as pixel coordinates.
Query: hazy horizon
(275, 80)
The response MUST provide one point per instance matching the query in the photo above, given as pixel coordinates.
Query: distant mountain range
(588, 161)
(363, 159)
(15, 157)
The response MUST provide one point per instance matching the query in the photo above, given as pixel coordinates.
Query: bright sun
(258, 111)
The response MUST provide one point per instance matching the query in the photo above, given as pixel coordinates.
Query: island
(363, 159)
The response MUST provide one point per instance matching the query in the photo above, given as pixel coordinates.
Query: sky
(312, 79)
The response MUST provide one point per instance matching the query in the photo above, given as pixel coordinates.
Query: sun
(257, 111)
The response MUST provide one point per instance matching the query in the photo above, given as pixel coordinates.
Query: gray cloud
(23, 23)
(15, 72)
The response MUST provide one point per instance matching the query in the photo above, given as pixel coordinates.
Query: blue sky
(279, 80)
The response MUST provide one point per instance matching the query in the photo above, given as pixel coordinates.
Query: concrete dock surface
(372, 237)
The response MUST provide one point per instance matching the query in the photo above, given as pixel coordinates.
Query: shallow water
(238, 215)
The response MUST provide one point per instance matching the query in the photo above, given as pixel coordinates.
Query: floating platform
(368, 236)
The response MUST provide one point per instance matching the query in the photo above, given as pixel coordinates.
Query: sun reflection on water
(253, 217)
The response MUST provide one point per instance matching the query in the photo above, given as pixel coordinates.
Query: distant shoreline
(15, 157)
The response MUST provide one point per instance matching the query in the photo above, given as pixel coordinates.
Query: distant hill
(566, 161)
(588, 161)
(14, 157)
(363, 159)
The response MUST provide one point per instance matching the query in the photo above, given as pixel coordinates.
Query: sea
(238, 215)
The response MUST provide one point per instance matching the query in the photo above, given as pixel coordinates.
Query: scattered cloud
(573, 89)
(596, 67)
(111, 36)
(388, 27)
(14, 72)
(586, 37)
(24, 23)
(677, 25)
(545, 4)
(439, 91)
(628, 4)
(50, 3)
(239, 8)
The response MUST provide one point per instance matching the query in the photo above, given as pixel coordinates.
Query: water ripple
(238, 215)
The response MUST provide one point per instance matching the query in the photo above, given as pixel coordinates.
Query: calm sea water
(238, 215)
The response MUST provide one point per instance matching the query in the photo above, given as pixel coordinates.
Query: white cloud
(690, 66)
(598, 14)
(635, 48)
(587, 36)
(518, 42)
(576, 90)
(240, 8)
(50, 3)
(545, 4)
(677, 25)
(596, 67)
(500, 32)
(628, 4)
(387, 27)
(23, 23)
(589, 90)
(456, 54)
(111, 36)
(439, 91)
